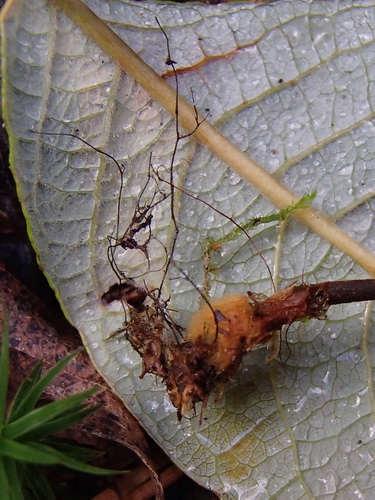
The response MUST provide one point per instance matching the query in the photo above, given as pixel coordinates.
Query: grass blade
(80, 453)
(58, 424)
(36, 418)
(4, 483)
(36, 481)
(31, 399)
(74, 464)
(24, 389)
(14, 478)
(26, 452)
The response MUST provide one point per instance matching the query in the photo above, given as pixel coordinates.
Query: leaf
(23, 410)
(33, 339)
(27, 452)
(57, 424)
(291, 84)
(71, 462)
(4, 482)
(77, 452)
(14, 479)
(40, 416)
(37, 453)
(37, 482)
(23, 390)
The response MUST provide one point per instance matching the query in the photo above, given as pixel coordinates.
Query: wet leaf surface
(291, 84)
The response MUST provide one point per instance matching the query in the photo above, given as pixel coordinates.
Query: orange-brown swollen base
(215, 342)
(221, 332)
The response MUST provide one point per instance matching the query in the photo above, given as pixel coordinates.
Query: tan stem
(219, 145)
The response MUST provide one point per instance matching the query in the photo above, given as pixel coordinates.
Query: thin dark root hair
(120, 168)
(69, 134)
(163, 311)
(190, 195)
(286, 342)
(141, 219)
(205, 299)
(172, 63)
(179, 136)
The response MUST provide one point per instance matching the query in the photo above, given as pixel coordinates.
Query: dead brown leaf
(34, 339)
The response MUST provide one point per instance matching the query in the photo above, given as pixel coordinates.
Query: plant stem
(343, 292)
(297, 302)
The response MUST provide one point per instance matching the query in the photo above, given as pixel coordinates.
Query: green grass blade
(80, 453)
(14, 476)
(28, 494)
(24, 389)
(36, 481)
(4, 483)
(4, 366)
(26, 452)
(58, 424)
(74, 464)
(46, 413)
(31, 399)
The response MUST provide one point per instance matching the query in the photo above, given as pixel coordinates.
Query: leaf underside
(292, 84)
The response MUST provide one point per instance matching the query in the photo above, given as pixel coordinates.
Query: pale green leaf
(292, 84)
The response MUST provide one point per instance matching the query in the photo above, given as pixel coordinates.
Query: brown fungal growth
(128, 292)
(222, 332)
(145, 333)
